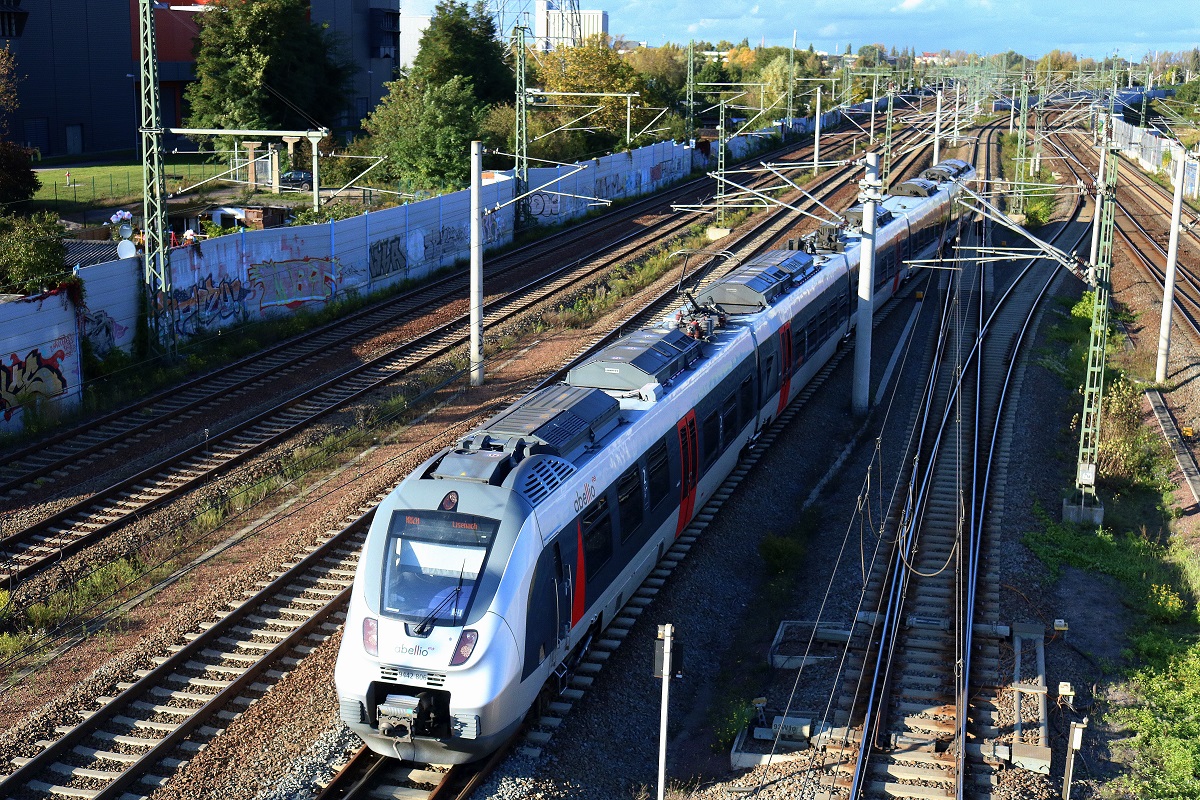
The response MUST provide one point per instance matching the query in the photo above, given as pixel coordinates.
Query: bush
(18, 181)
(1164, 603)
(32, 253)
(729, 719)
(781, 554)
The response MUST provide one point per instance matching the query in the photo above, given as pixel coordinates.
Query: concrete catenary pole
(937, 131)
(817, 138)
(314, 139)
(1012, 109)
(1168, 306)
(667, 634)
(476, 302)
(870, 195)
(954, 138)
(1094, 252)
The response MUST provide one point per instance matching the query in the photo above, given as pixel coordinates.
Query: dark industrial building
(79, 67)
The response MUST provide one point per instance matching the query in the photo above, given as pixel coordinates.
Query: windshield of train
(434, 560)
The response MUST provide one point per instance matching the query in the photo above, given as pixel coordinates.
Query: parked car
(297, 179)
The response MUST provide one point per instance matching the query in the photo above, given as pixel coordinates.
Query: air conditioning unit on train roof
(915, 187)
(566, 419)
(633, 361)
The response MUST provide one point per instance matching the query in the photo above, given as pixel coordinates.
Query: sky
(1031, 27)
(1085, 27)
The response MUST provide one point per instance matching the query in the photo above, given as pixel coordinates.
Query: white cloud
(828, 30)
(914, 5)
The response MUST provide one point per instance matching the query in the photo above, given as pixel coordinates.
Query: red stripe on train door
(688, 469)
(579, 595)
(785, 365)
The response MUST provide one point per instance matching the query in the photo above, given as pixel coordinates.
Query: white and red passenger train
(487, 570)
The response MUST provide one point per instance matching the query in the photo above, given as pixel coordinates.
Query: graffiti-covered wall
(252, 275)
(108, 318)
(39, 357)
(1156, 153)
(561, 196)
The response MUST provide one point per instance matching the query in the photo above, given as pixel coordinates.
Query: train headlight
(371, 636)
(464, 648)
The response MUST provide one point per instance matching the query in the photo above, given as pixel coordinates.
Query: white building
(552, 28)
(411, 28)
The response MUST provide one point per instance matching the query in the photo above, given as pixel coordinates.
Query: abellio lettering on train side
(585, 495)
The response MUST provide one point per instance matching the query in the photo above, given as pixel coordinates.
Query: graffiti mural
(388, 257)
(450, 240)
(291, 284)
(542, 204)
(101, 330)
(33, 375)
(209, 303)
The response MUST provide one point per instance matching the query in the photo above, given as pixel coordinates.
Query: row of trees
(31, 246)
(17, 179)
(461, 87)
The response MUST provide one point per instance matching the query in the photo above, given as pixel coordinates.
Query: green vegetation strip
(1159, 571)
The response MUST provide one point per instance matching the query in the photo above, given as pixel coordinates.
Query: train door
(563, 586)
(548, 614)
(689, 472)
(785, 365)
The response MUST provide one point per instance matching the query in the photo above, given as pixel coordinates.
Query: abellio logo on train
(413, 650)
(585, 495)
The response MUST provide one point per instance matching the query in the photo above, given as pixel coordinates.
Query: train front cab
(429, 668)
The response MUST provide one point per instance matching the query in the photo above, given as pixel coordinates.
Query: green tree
(8, 86)
(663, 70)
(458, 42)
(426, 132)
(1189, 92)
(32, 253)
(775, 75)
(593, 67)
(1056, 63)
(18, 181)
(262, 64)
(870, 55)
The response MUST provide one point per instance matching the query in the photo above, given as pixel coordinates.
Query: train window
(710, 439)
(597, 536)
(729, 421)
(658, 474)
(746, 400)
(770, 377)
(797, 347)
(630, 501)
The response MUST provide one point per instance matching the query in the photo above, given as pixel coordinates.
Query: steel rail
(250, 370)
(912, 511)
(300, 573)
(42, 535)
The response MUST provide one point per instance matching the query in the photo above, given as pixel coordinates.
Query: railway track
(919, 719)
(30, 550)
(541, 726)
(133, 741)
(1138, 239)
(170, 710)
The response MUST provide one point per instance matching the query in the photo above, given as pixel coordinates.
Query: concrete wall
(1155, 154)
(613, 177)
(253, 275)
(39, 356)
(109, 317)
